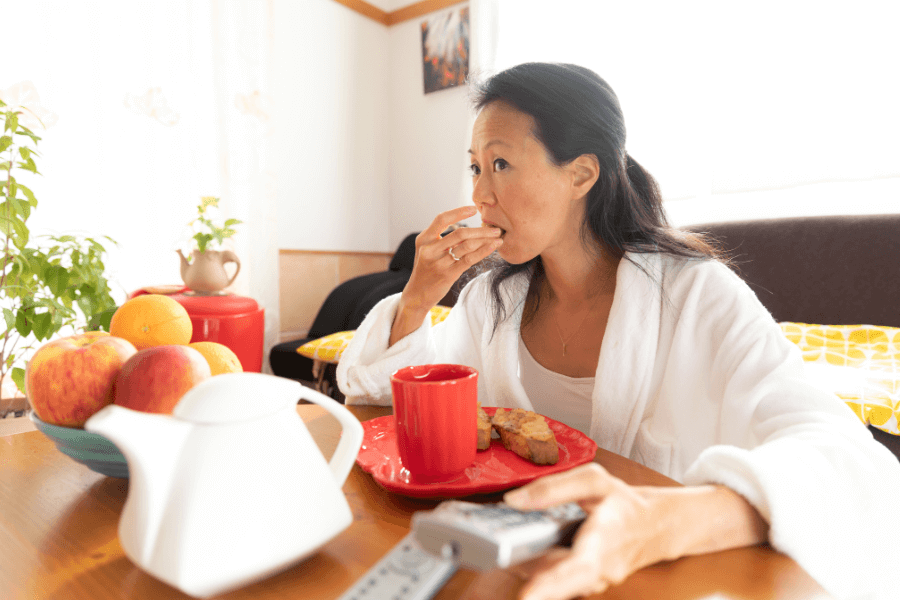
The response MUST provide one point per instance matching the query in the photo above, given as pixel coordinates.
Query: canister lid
(230, 304)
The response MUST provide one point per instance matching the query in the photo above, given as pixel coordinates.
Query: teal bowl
(90, 449)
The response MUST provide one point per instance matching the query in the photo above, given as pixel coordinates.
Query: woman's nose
(482, 193)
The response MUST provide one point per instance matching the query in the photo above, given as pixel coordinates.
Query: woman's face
(517, 188)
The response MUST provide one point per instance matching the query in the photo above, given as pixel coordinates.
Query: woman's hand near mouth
(439, 263)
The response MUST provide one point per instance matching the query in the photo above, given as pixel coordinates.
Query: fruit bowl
(90, 449)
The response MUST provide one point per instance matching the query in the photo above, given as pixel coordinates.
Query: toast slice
(527, 434)
(484, 429)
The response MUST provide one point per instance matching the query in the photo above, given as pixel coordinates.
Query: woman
(605, 318)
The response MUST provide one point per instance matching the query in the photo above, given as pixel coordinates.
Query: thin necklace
(565, 343)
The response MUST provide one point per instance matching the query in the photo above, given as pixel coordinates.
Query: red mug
(435, 417)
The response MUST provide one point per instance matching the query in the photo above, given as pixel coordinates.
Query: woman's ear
(585, 171)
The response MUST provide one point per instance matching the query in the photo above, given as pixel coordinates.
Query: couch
(830, 270)
(833, 270)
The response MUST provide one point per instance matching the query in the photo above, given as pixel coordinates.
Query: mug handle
(351, 433)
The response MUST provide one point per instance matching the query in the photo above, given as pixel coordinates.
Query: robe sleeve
(798, 454)
(363, 373)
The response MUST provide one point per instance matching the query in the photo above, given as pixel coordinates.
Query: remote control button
(412, 560)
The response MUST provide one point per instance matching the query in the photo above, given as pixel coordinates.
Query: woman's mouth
(502, 231)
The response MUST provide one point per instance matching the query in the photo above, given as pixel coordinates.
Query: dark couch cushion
(405, 256)
(834, 270)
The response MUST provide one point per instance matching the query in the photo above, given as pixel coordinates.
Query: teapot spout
(184, 264)
(151, 444)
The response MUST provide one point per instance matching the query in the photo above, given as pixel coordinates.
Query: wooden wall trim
(366, 10)
(418, 9)
(335, 252)
(400, 15)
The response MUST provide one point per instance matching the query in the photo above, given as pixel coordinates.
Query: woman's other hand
(438, 264)
(628, 528)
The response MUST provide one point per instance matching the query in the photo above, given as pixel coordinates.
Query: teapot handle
(351, 433)
(229, 256)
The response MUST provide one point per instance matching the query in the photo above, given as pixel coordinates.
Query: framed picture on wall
(445, 50)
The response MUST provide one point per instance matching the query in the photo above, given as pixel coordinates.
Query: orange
(220, 358)
(152, 320)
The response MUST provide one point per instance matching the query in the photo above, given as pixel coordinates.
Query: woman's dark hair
(576, 112)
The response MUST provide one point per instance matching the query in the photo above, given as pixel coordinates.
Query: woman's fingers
(588, 482)
(473, 250)
(448, 218)
(598, 558)
(559, 575)
(441, 261)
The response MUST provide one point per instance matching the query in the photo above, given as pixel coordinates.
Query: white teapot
(231, 488)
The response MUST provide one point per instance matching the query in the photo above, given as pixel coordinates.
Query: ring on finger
(450, 250)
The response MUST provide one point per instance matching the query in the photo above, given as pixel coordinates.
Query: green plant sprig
(219, 234)
(44, 286)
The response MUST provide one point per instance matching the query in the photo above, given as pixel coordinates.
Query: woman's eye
(500, 164)
(474, 168)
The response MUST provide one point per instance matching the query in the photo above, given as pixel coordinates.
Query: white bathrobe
(697, 381)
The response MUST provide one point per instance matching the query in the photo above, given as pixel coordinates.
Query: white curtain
(159, 102)
(740, 110)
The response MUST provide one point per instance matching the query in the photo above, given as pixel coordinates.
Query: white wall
(429, 137)
(330, 80)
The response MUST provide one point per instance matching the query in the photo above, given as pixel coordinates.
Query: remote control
(407, 572)
(488, 536)
(456, 533)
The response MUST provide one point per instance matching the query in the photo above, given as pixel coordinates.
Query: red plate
(494, 469)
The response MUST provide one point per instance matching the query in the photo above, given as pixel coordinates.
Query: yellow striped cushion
(859, 363)
(330, 348)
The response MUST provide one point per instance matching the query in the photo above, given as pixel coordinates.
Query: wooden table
(58, 540)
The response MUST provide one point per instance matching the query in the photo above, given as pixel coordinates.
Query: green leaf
(57, 280)
(21, 238)
(5, 142)
(41, 325)
(231, 222)
(29, 165)
(25, 152)
(28, 194)
(87, 304)
(12, 122)
(28, 132)
(23, 208)
(18, 377)
(22, 324)
(101, 320)
(10, 318)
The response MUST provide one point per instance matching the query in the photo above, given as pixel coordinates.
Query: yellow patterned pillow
(859, 363)
(330, 348)
(438, 313)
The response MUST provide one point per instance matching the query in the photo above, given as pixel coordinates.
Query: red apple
(69, 379)
(155, 378)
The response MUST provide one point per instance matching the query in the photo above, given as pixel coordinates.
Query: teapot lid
(233, 397)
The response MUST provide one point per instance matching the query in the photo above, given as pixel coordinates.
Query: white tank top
(560, 397)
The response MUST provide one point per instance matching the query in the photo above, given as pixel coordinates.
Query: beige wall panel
(305, 282)
(306, 279)
(354, 265)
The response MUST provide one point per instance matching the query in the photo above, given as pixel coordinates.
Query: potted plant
(48, 283)
(204, 271)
